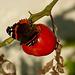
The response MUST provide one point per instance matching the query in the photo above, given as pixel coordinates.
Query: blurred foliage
(70, 65)
(70, 42)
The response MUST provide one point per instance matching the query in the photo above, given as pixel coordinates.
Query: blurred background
(11, 11)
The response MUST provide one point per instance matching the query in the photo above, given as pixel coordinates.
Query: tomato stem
(52, 23)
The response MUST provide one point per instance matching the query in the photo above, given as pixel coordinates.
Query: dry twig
(58, 68)
(8, 66)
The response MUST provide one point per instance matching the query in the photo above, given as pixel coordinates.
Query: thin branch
(52, 22)
(6, 42)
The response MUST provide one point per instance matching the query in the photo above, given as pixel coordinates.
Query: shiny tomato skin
(45, 43)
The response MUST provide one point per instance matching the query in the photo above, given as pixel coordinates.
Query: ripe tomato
(45, 43)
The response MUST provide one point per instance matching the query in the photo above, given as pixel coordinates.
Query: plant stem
(45, 12)
(52, 22)
(6, 42)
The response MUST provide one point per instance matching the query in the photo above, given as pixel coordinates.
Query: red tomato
(45, 43)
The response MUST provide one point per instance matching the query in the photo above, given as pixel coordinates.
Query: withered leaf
(61, 70)
(41, 71)
(58, 50)
(48, 66)
(61, 58)
(2, 61)
(60, 65)
(1, 57)
(54, 72)
(8, 65)
(57, 58)
(50, 63)
(1, 70)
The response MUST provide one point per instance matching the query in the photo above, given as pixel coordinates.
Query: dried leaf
(56, 28)
(58, 50)
(60, 69)
(57, 73)
(50, 63)
(1, 58)
(1, 70)
(2, 61)
(41, 71)
(54, 72)
(14, 68)
(53, 68)
(61, 58)
(60, 65)
(48, 66)
(8, 65)
(57, 58)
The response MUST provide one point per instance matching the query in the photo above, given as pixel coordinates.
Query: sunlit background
(11, 11)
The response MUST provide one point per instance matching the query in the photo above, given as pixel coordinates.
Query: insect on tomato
(45, 42)
(36, 39)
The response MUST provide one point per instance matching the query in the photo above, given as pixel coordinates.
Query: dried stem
(8, 66)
